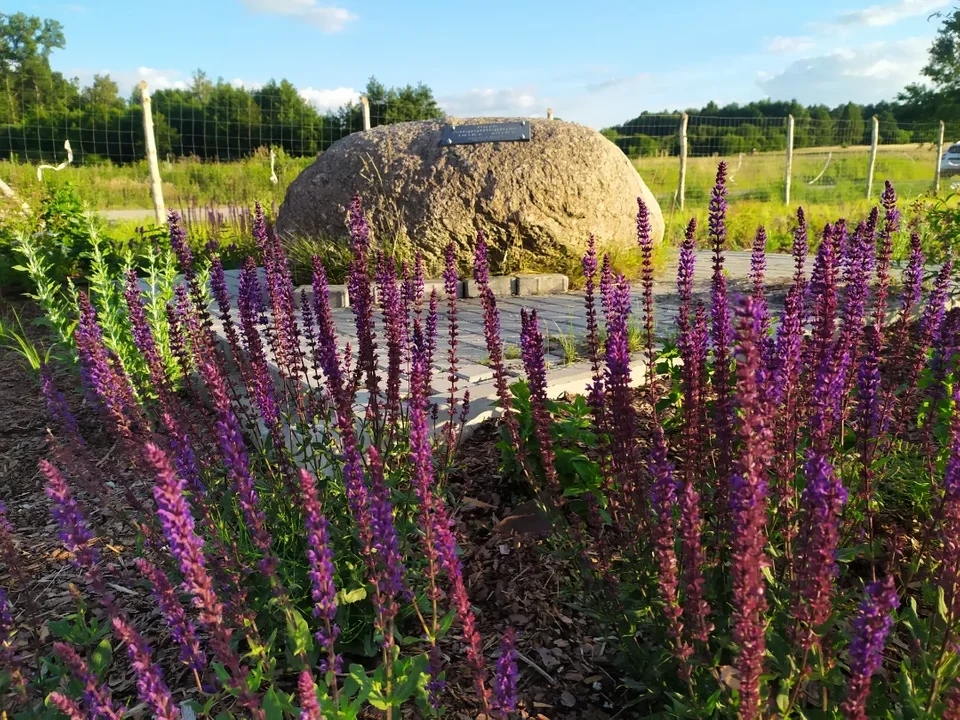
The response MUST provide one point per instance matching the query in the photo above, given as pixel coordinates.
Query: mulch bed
(514, 578)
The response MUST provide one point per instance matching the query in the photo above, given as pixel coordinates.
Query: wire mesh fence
(831, 157)
(231, 144)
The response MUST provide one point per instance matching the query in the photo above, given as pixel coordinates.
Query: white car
(950, 162)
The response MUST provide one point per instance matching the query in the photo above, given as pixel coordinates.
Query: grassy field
(756, 185)
(761, 176)
(109, 187)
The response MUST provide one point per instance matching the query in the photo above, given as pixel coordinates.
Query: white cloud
(328, 19)
(324, 100)
(882, 15)
(246, 84)
(126, 80)
(493, 102)
(158, 79)
(784, 45)
(867, 73)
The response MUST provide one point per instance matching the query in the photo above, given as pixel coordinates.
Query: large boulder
(537, 201)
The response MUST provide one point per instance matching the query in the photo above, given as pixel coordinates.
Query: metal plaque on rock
(518, 131)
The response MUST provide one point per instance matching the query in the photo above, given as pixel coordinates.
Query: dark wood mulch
(514, 577)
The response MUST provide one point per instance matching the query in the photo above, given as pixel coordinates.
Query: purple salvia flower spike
(645, 242)
(322, 571)
(67, 706)
(96, 695)
(871, 626)
(748, 503)
(532, 350)
(505, 676)
(823, 499)
(595, 393)
(307, 692)
(176, 521)
(151, 688)
(181, 629)
(663, 500)
(722, 334)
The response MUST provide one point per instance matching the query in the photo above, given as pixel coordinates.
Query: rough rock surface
(537, 201)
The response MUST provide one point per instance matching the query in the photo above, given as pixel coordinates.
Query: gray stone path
(560, 314)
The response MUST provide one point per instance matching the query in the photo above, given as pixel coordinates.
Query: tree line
(762, 126)
(40, 108)
(912, 118)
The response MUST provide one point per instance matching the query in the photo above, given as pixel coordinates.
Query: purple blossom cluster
(870, 629)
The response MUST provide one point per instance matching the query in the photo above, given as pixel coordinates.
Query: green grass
(110, 187)
(756, 188)
(755, 195)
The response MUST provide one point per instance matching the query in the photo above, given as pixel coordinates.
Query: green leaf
(101, 658)
(348, 597)
(272, 705)
(446, 623)
(299, 638)
(783, 699)
(408, 685)
(63, 629)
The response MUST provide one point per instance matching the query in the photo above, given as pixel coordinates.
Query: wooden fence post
(936, 174)
(156, 187)
(365, 104)
(874, 139)
(549, 113)
(789, 171)
(682, 185)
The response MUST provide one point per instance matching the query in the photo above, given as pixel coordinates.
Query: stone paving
(563, 314)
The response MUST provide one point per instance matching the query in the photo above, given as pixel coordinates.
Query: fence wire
(830, 156)
(276, 132)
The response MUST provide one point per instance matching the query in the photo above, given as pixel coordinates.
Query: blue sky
(595, 63)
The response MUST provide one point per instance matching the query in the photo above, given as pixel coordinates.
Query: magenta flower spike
(912, 277)
(532, 350)
(234, 454)
(74, 533)
(250, 309)
(181, 629)
(451, 282)
(307, 692)
(692, 344)
(176, 521)
(722, 334)
(96, 695)
(103, 375)
(645, 242)
(142, 336)
(322, 571)
(595, 393)
(391, 305)
(758, 269)
(748, 505)
(505, 676)
(823, 499)
(151, 688)
(871, 626)
(891, 225)
(361, 301)
(67, 706)
(663, 499)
